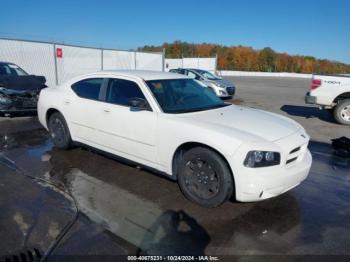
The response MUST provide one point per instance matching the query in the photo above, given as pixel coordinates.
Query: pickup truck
(331, 92)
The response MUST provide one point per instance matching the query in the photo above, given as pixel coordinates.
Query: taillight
(315, 83)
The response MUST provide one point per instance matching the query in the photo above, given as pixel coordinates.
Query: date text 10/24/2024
(173, 258)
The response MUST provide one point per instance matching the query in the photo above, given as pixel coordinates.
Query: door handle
(106, 110)
(66, 102)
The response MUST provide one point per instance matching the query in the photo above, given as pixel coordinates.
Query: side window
(5, 70)
(192, 75)
(119, 91)
(88, 88)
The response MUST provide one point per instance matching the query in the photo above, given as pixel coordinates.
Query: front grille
(295, 150)
(230, 90)
(295, 154)
(25, 102)
(291, 160)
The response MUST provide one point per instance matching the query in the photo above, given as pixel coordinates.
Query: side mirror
(138, 103)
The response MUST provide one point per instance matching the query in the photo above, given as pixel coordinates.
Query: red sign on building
(59, 53)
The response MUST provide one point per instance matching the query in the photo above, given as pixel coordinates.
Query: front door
(124, 130)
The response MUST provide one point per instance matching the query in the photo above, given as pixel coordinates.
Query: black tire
(204, 177)
(59, 131)
(342, 112)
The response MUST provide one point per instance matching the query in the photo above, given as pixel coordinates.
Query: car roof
(196, 69)
(6, 63)
(143, 74)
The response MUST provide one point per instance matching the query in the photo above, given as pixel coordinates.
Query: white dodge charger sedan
(171, 124)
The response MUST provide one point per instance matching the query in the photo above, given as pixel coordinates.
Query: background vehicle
(332, 93)
(222, 88)
(19, 91)
(172, 124)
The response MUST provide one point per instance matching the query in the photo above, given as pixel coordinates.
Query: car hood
(28, 82)
(221, 82)
(250, 121)
(19, 93)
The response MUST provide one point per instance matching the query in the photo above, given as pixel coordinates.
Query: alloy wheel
(345, 113)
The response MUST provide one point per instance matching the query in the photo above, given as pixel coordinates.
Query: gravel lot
(124, 210)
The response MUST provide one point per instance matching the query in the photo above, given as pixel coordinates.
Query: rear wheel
(59, 131)
(342, 112)
(204, 177)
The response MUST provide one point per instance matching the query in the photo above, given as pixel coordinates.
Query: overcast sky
(318, 28)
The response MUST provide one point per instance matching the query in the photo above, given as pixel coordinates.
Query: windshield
(183, 96)
(11, 70)
(207, 75)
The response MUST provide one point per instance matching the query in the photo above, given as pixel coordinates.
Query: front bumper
(17, 111)
(310, 99)
(260, 185)
(19, 106)
(228, 92)
(254, 184)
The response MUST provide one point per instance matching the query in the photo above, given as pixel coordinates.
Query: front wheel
(342, 112)
(59, 131)
(204, 177)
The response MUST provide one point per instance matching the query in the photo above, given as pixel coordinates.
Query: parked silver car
(222, 88)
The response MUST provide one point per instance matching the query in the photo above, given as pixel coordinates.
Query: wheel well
(49, 113)
(342, 97)
(187, 146)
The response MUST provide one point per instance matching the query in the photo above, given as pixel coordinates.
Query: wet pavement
(285, 96)
(32, 213)
(125, 210)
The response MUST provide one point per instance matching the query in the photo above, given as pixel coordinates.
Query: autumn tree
(248, 59)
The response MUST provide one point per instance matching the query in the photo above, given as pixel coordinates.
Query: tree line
(248, 59)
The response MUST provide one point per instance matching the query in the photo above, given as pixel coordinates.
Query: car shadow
(325, 154)
(308, 112)
(175, 232)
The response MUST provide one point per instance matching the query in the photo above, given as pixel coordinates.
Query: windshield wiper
(218, 106)
(197, 109)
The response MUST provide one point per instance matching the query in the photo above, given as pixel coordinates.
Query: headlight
(219, 85)
(262, 159)
(222, 93)
(4, 100)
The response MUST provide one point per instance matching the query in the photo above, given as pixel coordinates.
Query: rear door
(84, 108)
(123, 130)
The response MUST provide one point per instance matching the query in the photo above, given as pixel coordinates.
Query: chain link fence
(60, 62)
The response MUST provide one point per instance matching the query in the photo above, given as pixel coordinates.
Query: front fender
(171, 135)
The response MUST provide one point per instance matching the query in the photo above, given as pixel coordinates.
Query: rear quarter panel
(332, 86)
(50, 97)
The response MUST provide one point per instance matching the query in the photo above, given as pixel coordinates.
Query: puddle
(26, 139)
